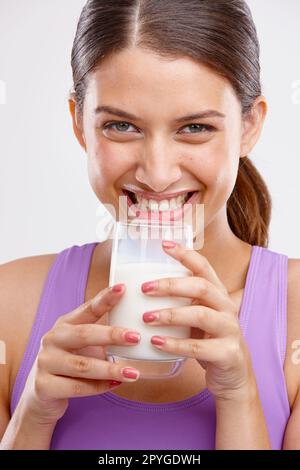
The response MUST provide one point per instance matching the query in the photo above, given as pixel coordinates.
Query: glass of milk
(137, 257)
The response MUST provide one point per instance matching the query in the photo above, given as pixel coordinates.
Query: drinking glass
(137, 257)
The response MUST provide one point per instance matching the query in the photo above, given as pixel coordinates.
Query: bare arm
(24, 431)
(292, 360)
(246, 419)
(61, 369)
(4, 410)
(241, 423)
(292, 433)
(21, 283)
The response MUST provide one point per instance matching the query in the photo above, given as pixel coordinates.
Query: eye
(199, 128)
(119, 126)
(123, 126)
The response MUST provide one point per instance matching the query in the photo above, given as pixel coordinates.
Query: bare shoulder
(21, 285)
(292, 359)
(21, 278)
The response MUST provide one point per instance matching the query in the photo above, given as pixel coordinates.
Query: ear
(77, 123)
(252, 125)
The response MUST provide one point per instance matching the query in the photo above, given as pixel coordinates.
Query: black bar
(135, 458)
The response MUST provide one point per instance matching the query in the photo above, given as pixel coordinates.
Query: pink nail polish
(148, 286)
(117, 288)
(150, 316)
(114, 383)
(132, 336)
(168, 244)
(130, 373)
(157, 340)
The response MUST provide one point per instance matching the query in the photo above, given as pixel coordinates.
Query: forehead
(142, 79)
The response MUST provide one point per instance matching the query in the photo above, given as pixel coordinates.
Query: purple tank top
(107, 421)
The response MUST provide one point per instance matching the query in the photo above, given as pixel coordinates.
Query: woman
(167, 100)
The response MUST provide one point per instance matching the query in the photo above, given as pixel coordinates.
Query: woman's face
(156, 150)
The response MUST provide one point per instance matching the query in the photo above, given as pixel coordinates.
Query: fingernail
(117, 288)
(168, 244)
(157, 340)
(114, 383)
(130, 373)
(132, 336)
(150, 316)
(148, 286)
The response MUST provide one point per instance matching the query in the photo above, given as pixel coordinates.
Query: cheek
(106, 164)
(215, 165)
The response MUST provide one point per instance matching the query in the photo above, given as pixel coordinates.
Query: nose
(158, 169)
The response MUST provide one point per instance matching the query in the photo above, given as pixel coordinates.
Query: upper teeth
(164, 205)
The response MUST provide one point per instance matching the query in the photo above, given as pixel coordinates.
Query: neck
(227, 254)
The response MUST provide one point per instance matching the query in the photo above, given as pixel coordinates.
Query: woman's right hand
(60, 370)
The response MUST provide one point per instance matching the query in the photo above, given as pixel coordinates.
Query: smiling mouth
(153, 205)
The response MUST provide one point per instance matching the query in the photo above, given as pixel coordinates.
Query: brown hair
(220, 34)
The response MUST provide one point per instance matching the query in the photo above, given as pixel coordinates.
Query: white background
(46, 203)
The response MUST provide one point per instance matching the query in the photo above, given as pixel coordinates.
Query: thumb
(95, 308)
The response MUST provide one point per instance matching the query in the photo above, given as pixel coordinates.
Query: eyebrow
(124, 114)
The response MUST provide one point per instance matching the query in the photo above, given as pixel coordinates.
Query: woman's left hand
(216, 342)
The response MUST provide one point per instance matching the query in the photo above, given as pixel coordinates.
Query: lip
(161, 215)
(158, 197)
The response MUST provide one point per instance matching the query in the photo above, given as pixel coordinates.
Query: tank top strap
(63, 291)
(266, 310)
(264, 326)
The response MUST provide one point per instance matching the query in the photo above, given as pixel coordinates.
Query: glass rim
(144, 223)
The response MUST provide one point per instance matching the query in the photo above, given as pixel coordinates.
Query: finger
(99, 352)
(217, 324)
(192, 287)
(95, 308)
(57, 387)
(69, 336)
(73, 365)
(208, 350)
(195, 262)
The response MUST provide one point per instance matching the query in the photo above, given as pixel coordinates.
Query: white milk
(128, 313)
